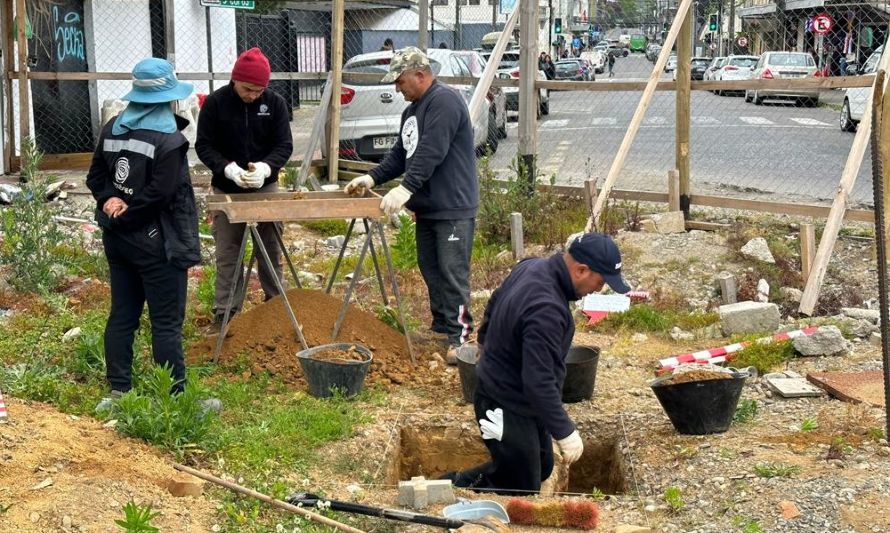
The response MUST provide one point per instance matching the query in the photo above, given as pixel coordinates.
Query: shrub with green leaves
(674, 498)
(745, 411)
(30, 235)
(404, 248)
(762, 356)
(137, 518)
(152, 413)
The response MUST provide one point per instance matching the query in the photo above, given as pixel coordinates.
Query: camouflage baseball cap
(408, 58)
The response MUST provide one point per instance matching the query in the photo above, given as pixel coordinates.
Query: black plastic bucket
(700, 407)
(467, 357)
(326, 376)
(580, 379)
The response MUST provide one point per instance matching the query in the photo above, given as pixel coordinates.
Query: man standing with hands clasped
(244, 138)
(524, 338)
(435, 153)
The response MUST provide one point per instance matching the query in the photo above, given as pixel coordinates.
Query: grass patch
(205, 292)
(771, 470)
(745, 412)
(809, 424)
(652, 319)
(763, 357)
(327, 228)
(674, 499)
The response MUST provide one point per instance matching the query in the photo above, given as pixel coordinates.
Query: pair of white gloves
(392, 202)
(252, 178)
(493, 428)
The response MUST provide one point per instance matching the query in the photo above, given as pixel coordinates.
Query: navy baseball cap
(600, 253)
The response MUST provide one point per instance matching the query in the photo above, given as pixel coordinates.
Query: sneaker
(107, 402)
(210, 405)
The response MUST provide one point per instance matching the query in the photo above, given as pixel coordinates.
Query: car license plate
(384, 143)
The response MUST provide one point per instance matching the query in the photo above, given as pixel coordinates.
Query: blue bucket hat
(154, 82)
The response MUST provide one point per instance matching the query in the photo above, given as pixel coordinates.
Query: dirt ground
(93, 473)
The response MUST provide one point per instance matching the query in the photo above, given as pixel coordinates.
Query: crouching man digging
(525, 335)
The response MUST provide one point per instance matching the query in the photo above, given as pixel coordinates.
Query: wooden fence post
(516, 237)
(336, 88)
(807, 249)
(683, 107)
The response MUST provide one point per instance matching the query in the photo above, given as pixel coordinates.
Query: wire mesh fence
(789, 143)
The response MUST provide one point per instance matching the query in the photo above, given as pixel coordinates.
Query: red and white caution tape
(4, 416)
(724, 353)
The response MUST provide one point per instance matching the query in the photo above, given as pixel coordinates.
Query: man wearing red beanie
(244, 138)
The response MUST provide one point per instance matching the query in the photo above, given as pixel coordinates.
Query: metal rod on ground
(376, 265)
(340, 257)
(258, 243)
(309, 515)
(637, 120)
(877, 178)
(395, 288)
(284, 252)
(224, 327)
(355, 275)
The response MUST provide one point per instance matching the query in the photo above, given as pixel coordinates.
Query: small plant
(771, 470)
(206, 290)
(597, 494)
(137, 518)
(390, 316)
(809, 424)
(30, 235)
(751, 526)
(89, 355)
(875, 433)
(763, 357)
(745, 412)
(674, 499)
(288, 177)
(404, 249)
(328, 228)
(839, 449)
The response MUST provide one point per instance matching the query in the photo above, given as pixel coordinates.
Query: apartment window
(438, 2)
(475, 2)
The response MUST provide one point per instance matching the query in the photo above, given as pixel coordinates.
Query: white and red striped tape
(724, 353)
(3, 414)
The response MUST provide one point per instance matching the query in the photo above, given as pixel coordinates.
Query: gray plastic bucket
(326, 376)
(467, 357)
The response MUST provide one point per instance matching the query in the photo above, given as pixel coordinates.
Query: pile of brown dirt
(63, 473)
(695, 375)
(265, 336)
(339, 356)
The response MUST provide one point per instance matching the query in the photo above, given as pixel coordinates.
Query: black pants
(444, 248)
(140, 274)
(520, 461)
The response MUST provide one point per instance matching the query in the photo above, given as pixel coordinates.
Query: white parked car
(671, 64)
(716, 63)
(371, 113)
(735, 68)
(855, 97)
(509, 68)
(784, 65)
(596, 58)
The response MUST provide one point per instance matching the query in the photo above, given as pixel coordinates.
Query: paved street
(771, 151)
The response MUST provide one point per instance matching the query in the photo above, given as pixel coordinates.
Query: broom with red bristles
(566, 514)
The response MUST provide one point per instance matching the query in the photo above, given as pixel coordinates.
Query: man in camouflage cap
(435, 152)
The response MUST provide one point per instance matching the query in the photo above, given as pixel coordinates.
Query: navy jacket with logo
(149, 171)
(435, 152)
(230, 130)
(525, 336)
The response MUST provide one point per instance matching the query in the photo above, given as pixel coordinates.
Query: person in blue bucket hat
(145, 206)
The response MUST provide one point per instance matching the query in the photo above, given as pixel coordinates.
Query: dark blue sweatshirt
(436, 153)
(525, 336)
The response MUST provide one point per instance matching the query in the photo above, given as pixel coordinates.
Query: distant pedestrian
(611, 64)
(387, 45)
(443, 45)
(549, 67)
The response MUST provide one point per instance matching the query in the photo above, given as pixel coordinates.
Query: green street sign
(232, 4)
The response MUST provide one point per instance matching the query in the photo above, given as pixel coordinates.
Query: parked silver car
(497, 99)
(371, 113)
(735, 68)
(784, 65)
(509, 68)
(855, 97)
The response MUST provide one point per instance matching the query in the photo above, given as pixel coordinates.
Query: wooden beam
(807, 249)
(316, 137)
(78, 161)
(673, 190)
(170, 30)
(336, 84)
(9, 65)
(528, 93)
(884, 136)
(706, 226)
(480, 93)
(637, 120)
(423, 24)
(683, 109)
(835, 217)
(24, 87)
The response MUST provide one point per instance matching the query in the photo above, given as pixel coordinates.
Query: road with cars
(775, 151)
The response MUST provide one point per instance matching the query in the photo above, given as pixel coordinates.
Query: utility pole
(549, 26)
(528, 93)
(424, 15)
(457, 31)
(731, 27)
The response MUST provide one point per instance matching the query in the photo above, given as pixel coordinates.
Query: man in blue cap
(525, 335)
(146, 208)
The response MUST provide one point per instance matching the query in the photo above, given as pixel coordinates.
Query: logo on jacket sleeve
(121, 170)
(410, 136)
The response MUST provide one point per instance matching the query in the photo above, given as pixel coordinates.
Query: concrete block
(182, 484)
(874, 315)
(875, 339)
(648, 226)
(420, 492)
(672, 222)
(758, 249)
(728, 287)
(749, 317)
(792, 387)
(827, 340)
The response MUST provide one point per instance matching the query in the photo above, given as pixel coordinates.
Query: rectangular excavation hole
(431, 451)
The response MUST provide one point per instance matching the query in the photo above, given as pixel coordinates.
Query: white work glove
(359, 185)
(256, 175)
(394, 200)
(571, 447)
(493, 426)
(261, 169)
(236, 174)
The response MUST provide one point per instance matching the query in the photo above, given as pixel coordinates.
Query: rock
(874, 315)
(182, 484)
(43, 484)
(504, 256)
(639, 338)
(34, 517)
(875, 339)
(66, 521)
(758, 248)
(335, 242)
(71, 334)
(672, 222)
(353, 489)
(863, 329)
(791, 294)
(762, 291)
(749, 317)
(726, 284)
(827, 340)
(627, 528)
(650, 508)
(679, 335)
(481, 295)
(309, 277)
(788, 509)
(648, 226)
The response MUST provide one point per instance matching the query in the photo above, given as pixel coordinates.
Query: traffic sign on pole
(822, 23)
(232, 4)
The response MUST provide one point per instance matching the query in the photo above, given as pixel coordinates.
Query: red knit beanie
(252, 67)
